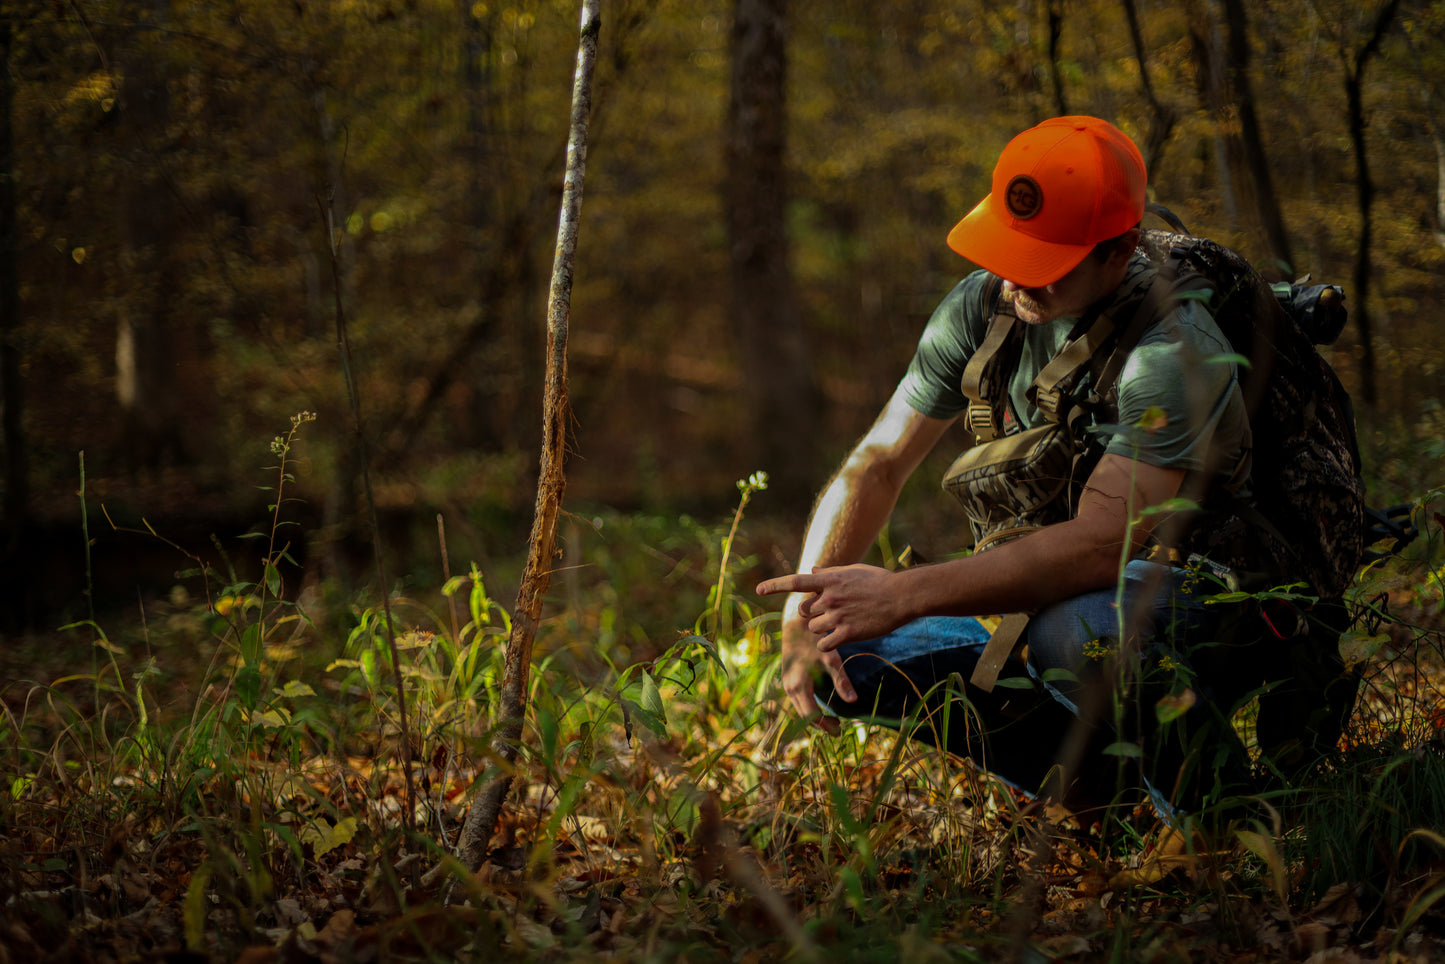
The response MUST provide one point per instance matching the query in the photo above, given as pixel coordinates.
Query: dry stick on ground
(482, 817)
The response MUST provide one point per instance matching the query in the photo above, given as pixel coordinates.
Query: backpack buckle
(1048, 401)
(983, 421)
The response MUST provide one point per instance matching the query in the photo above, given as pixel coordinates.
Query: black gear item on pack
(1318, 309)
(1396, 524)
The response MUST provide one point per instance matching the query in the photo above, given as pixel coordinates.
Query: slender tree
(1226, 92)
(1056, 73)
(1162, 117)
(779, 393)
(1204, 35)
(1355, 66)
(1437, 138)
(498, 225)
(1430, 99)
(481, 818)
(145, 353)
(12, 393)
(1266, 202)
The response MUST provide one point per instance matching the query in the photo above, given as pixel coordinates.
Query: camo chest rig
(1013, 482)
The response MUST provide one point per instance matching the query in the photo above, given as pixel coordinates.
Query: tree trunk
(1056, 74)
(485, 356)
(16, 501)
(1246, 186)
(1365, 194)
(1162, 117)
(781, 399)
(482, 817)
(497, 350)
(16, 476)
(1266, 204)
(1430, 99)
(145, 356)
(1213, 98)
(1438, 139)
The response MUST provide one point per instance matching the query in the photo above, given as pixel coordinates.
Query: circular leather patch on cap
(1023, 199)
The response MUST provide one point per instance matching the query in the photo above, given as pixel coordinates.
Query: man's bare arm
(855, 602)
(845, 523)
(856, 504)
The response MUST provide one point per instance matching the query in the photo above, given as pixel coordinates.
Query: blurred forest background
(192, 193)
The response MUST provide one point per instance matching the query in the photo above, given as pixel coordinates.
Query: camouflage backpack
(1305, 518)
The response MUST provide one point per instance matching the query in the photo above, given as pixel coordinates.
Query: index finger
(797, 582)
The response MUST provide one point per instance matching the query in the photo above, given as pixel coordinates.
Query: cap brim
(995, 243)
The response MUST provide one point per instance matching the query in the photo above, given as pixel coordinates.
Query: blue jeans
(1046, 724)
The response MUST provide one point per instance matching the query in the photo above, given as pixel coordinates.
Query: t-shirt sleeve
(931, 383)
(1177, 394)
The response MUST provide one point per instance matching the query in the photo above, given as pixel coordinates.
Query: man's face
(1069, 297)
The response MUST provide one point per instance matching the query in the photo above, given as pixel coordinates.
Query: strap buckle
(983, 421)
(1048, 401)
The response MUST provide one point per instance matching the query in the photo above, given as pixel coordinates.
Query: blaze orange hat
(1058, 189)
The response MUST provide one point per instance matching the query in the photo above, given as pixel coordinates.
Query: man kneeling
(1063, 281)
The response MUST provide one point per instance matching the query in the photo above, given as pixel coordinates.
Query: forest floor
(225, 781)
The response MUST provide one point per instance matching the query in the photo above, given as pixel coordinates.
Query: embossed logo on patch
(1024, 199)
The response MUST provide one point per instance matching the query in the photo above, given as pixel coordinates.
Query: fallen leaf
(1340, 903)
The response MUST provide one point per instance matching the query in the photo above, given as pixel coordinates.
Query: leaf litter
(710, 827)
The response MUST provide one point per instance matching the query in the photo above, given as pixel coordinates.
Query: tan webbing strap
(1144, 314)
(1150, 308)
(985, 381)
(982, 421)
(1064, 368)
(1000, 536)
(1000, 647)
(1062, 373)
(981, 383)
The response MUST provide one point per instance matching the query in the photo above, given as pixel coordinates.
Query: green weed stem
(746, 487)
(343, 344)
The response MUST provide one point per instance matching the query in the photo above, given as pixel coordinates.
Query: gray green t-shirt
(1180, 366)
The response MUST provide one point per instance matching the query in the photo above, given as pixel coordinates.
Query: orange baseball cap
(1058, 189)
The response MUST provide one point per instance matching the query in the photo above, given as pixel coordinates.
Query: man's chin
(1029, 311)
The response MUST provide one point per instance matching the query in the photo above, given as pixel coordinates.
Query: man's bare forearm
(849, 515)
(861, 496)
(856, 602)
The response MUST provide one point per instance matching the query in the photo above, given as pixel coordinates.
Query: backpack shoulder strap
(1049, 388)
(985, 377)
(1158, 299)
(1104, 347)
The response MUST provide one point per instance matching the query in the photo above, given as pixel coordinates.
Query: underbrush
(230, 778)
